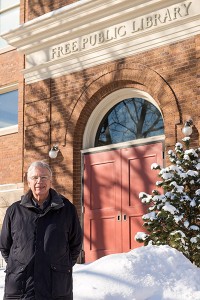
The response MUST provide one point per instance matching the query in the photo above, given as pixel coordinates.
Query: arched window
(130, 119)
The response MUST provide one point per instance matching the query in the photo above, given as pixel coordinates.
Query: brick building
(111, 84)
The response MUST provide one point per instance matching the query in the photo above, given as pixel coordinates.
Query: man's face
(39, 181)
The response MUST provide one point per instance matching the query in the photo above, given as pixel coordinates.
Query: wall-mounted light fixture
(187, 129)
(54, 151)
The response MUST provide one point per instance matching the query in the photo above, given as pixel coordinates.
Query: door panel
(137, 177)
(112, 209)
(102, 201)
(98, 229)
(102, 192)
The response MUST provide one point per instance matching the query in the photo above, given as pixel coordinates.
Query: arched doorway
(123, 137)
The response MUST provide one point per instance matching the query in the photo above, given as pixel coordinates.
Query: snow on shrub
(173, 217)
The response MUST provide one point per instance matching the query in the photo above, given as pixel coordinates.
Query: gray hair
(40, 164)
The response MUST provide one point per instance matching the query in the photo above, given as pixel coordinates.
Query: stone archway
(136, 76)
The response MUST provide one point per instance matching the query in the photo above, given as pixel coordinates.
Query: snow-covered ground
(146, 273)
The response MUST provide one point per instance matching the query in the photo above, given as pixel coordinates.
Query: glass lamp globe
(53, 152)
(187, 130)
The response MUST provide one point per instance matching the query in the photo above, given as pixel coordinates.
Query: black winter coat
(40, 248)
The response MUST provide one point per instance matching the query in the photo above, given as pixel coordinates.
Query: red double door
(112, 208)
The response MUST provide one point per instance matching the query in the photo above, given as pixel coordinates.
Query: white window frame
(9, 7)
(13, 128)
(8, 47)
(104, 106)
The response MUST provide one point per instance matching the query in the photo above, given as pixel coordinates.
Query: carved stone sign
(127, 29)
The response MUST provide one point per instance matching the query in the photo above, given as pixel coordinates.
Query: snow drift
(146, 273)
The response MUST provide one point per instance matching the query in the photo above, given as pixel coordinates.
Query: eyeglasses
(42, 178)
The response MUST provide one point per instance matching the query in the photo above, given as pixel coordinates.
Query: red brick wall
(37, 8)
(9, 62)
(11, 146)
(57, 109)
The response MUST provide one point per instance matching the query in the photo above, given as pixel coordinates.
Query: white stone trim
(137, 142)
(8, 130)
(104, 106)
(9, 88)
(73, 23)
(11, 187)
(7, 48)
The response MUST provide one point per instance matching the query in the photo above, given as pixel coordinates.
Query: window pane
(131, 119)
(9, 109)
(9, 20)
(8, 3)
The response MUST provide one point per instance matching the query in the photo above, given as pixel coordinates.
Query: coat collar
(56, 200)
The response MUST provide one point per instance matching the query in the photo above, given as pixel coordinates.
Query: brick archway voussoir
(107, 81)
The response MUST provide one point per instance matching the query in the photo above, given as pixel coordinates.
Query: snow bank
(146, 273)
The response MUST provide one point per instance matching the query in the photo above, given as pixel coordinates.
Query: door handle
(119, 217)
(124, 217)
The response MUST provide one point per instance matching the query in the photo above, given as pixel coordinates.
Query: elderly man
(41, 240)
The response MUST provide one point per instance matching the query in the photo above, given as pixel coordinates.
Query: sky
(145, 273)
